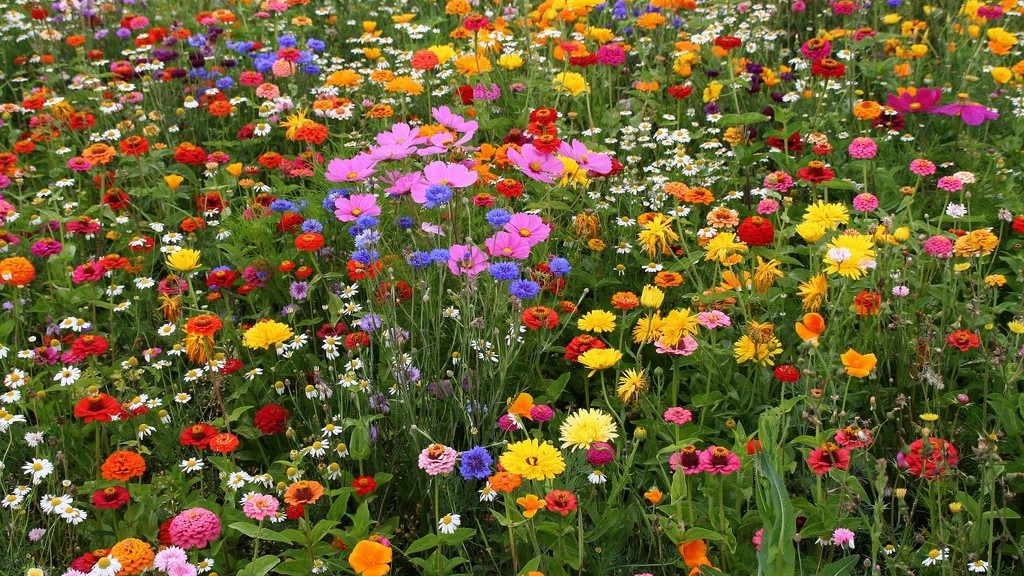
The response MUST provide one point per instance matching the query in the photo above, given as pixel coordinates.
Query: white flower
(979, 566)
(12, 501)
(192, 465)
(38, 468)
(106, 566)
(597, 477)
(167, 329)
(935, 556)
(144, 430)
(488, 494)
(449, 523)
(68, 375)
(55, 504)
(33, 439)
(182, 398)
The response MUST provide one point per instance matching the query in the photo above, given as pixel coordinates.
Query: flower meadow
(511, 287)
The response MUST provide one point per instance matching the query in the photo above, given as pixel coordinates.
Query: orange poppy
(810, 328)
(858, 365)
(370, 558)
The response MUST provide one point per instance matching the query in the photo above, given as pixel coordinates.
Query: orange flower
(370, 558)
(625, 300)
(653, 496)
(134, 556)
(531, 505)
(810, 328)
(522, 406)
(694, 553)
(204, 324)
(668, 279)
(16, 271)
(305, 492)
(99, 153)
(226, 442)
(505, 482)
(858, 365)
(123, 465)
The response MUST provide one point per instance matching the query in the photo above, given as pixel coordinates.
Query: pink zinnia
(922, 167)
(46, 247)
(714, 319)
(950, 184)
(168, 557)
(758, 536)
(768, 206)
(865, 202)
(529, 227)
(194, 527)
(507, 245)
(778, 181)
(468, 260)
(677, 415)
(611, 55)
(688, 459)
(259, 507)
(79, 164)
(600, 454)
(541, 413)
(816, 49)
(250, 78)
(443, 174)
(719, 460)
(536, 164)
(268, 91)
(939, 247)
(351, 208)
(686, 346)
(354, 169)
(862, 148)
(438, 459)
(91, 271)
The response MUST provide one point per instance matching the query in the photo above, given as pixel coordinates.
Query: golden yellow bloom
(647, 330)
(712, 92)
(184, 260)
(811, 232)
(597, 321)
(678, 324)
(533, 460)
(929, 417)
(652, 297)
(995, 280)
(265, 334)
(722, 246)
(586, 426)
(510, 61)
(173, 181)
(976, 243)
(657, 235)
(599, 359)
(1015, 326)
(571, 82)
(828, 215)
(766, 274)
(850, 255)
(632, 383)
(748, 349)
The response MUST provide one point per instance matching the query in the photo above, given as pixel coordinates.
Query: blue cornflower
(498, 217)
(439, 254)
(559, 266)
(406, 223)
(437, 195)
(476, 463)
(312, 226)
(504, 271)
(524, 289)
(420, 260)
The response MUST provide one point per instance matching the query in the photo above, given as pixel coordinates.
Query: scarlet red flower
(116, 199)
(815, 172)
(90, 345)
(290, 222)
(85, 562)
(189, 154)
(204, 324)
(1018, 224)
(963, 340)
(192, 223)
(220, 279)
(867, 303)
(295, 511)
(209, 202)
(544, 115)
(581, 344)
(680, 91)
(197, 435)
(272, 419)
(794, 143)
(231, 365)
(541, 274)
(536, 317)
(828, 68)
(828, 456)
(756, 231)
(358, 270)
(110, 498)
(270, 160)
(938, 458)
(364, 485)
(561, 501)
(303, 272)
(547, 143)
(309, 242)
(510, 188)
(786, 373)
(99, 407)
(728, 42)
(357, 340)
(134, 146)
(225, 442)
(465, 93)
(754, 446)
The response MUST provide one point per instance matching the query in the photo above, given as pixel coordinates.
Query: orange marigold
(123, 465)
(16, 271)
(134, 556)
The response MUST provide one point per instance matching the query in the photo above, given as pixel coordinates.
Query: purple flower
(299, 290)
(971, 113)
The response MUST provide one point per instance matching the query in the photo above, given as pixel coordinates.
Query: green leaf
(841, 567)
(1002, 514)
(701, 534)
(556, 387)
(250, 530)
(359, 445)
(260, 566)
(428, 542)
(741, 119)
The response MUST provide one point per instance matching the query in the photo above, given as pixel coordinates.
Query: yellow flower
(173, 181)
(571, 173)
(1002, 74)
(586, 426)
(651, 297)
(850, 255)
(533, 460)
(597, 321)
(811, 232)
(814, 292)
(766, 274)
(184, 260)
(510, 61)
(995, 280)
(657, 235)
(712, 92)
(929, 417)
(758, 351)
(234, 169)
(443, 53)
(632, 383)
(571, 82)
(599, 359)
(722, 246)
(265, 334)
(1015, 326)
(648, 329)
(676, 325)
(828, 215)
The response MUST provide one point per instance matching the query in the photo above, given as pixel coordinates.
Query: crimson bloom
(110, 498)
(828, 456)
(198, 435)
(935, 459)
(815, 172)
(272, 419)
(756, 231)
(99, 407)
(561, 501)
(364, 485)
(963, 340)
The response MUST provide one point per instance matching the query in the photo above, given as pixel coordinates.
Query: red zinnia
(680, 91)
(510, 188)
(728, 42)
(364, 485)
(224, 442)
(581, 344)
(110, 498)
(309, 242)
(963, 340)
(756, 231)
(828, 68)
(815, 172)
(544, 115)
(357, 340)
(134, 146)
(295, 511)
(828, 456)
(272, 419)
(99, 407)
(204, 325)
(867, 303)
(537, 317)
(189, 154)
(89, 345)
(787, 373)
(198, 435)
(561, 501)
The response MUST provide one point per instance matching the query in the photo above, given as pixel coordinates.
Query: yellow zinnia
(266, 334)
(571, 82)
(184, 260)
(850, 255)
(722, 246)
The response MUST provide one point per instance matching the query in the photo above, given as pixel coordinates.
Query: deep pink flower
(719, 460)
(468, 260)
(444, 174)
(677, 415)
(194, 527)
(536, 164)
(916, 101)
(972, 113)
(351, 208)
(507, 245)
(354, 169)
(590, 161)
(529, 227)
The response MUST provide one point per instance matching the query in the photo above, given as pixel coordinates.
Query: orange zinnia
(99, 153)
(505, 482)
(858, 365)
(304, 492)
(810, 328)
(123, 465)
(134, 556)
(204, 324)
(16, 271)
(370, 558)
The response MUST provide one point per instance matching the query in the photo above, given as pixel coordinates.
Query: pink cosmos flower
(529, 227)
(507, 245)
(468, 260)
(351, 208)
(445, 117)
(354, 169)
(590, 161)
(400, 184)
(719, 460)
(536, 164)
(918, 101)
(442, 173)
(972, 113)
(401, 142)
(259, 507)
